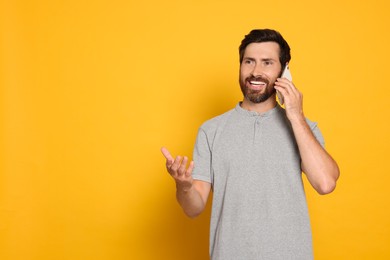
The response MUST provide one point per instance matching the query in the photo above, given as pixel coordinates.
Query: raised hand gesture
(178, 169)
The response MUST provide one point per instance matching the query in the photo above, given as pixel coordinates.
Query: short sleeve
(317, 133)
(202, 158)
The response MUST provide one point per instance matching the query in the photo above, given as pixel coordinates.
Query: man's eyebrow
(262, 59)
(248, 58)
(268, 59)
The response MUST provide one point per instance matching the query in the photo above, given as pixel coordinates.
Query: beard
(257, 96)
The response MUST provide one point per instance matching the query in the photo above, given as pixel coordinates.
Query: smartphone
(286, 74)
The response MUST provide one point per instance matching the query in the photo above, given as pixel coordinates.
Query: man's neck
(261, 107)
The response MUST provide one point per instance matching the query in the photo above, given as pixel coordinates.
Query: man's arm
(320, 168)
(191, 194)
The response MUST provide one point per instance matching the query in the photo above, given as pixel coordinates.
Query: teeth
(257, 83)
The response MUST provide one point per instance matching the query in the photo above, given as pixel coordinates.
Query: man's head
(267, 35)
(263, 55)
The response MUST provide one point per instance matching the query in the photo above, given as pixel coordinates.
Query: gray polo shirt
(259, 208)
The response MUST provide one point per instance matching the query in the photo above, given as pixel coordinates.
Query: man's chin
(257, 98)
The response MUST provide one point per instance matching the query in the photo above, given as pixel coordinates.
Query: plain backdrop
(90, 91)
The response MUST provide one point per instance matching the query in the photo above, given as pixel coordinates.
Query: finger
(176, 164)
(283, 80)
(281, 89)
(189, 169)
(290, 88)
(279, 85)
(287, 97)
(284, 83)
(167, 155)
(286, 87)
(183, 165)
(289, 85)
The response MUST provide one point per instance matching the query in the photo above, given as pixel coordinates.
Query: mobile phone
(286, 74)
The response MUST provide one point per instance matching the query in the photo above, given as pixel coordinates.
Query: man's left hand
(293, 99)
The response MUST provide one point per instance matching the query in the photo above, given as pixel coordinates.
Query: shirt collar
(248, 113)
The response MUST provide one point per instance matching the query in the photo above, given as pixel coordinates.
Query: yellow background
(90, 91)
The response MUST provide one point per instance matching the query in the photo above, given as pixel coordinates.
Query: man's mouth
(257, 84)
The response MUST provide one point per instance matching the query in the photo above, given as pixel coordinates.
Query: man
(252, 157)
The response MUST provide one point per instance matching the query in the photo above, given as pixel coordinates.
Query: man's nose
(257, 70)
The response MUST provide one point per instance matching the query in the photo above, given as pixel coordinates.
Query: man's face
(259, 70)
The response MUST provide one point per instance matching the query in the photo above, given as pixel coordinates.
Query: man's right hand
(191, 194)
(178, 169)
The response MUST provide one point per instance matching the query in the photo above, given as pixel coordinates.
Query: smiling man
(252, 158)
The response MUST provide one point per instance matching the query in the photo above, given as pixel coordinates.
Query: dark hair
(267, 35)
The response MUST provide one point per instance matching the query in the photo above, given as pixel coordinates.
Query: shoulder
(215, 122)
(316, 131)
